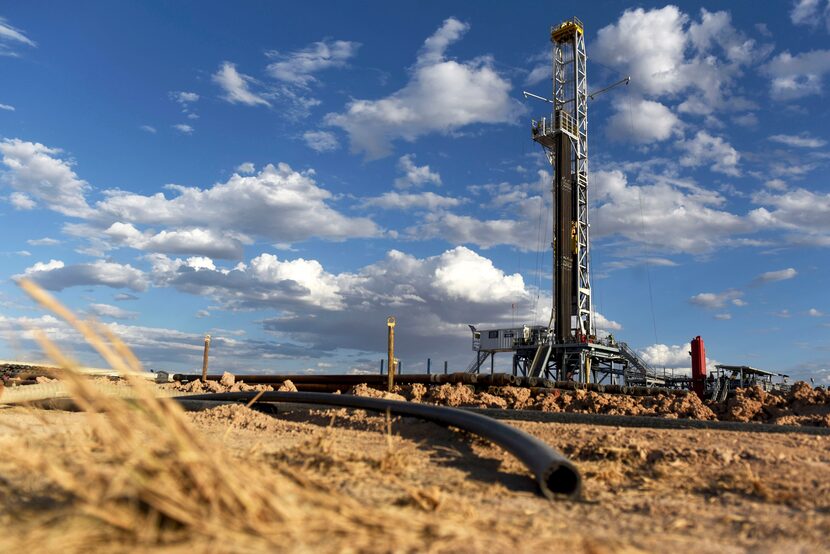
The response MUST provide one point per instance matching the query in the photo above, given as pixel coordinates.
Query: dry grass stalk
(157, 481)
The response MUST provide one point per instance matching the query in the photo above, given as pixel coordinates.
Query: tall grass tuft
(151, 479)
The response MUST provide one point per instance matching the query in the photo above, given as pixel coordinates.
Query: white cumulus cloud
(605, 324)
(711, 151)
(713, 300)
(415, 175)
(298, 67)
(670, 54)
(321, 141)
(278, 204)
(246, 168)
(184, 97)
(111, 312)
(237, 86)
(666, 213)
(434, 297)
(55, 275)
(811, 13)
(21, 201)
(642, 122)
(804, 214)
(407, 201)
(800, 141)
(796, 76)
(668, 356)
(442, 95)
(780, 275)
(38, 172)
(206, 242)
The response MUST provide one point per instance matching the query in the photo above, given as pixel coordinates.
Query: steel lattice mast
(565, 139)
(567, 348)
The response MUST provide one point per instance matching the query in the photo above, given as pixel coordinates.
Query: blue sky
(284, 176)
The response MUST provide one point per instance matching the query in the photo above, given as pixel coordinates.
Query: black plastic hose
(555, 475)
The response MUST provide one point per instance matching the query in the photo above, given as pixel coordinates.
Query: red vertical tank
(698, 366)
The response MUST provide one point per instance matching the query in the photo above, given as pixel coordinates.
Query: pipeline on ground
(555, 475)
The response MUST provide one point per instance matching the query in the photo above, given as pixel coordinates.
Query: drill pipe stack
(331, 383)
(346, 380)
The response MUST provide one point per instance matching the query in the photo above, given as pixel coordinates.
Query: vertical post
(390, 324)
(205, 358)
(429, 364)
(492, 362)
(445, 367)
(381, 367)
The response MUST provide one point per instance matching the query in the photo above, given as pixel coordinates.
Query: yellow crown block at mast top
(567, 29)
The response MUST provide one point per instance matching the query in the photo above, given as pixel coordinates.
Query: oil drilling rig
(568, 347)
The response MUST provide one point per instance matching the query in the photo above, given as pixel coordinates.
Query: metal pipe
(205, 358)
(321, 387)
(555, 475)
(390, 324)
(479, 380)
(467, 378)
(609, 87)
(536, 96)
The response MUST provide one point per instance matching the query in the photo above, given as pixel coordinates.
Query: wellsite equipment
(567, 349)
(698, 353)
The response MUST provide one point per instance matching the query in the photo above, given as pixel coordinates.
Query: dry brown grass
(147, 478)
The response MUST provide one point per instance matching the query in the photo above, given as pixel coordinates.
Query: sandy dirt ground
(644, 490)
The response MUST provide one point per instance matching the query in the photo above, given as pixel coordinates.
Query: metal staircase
(721, 390)
(540, 360)
(475, 365)
(638, 371)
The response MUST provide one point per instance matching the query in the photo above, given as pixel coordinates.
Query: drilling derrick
(567, 348)
(565, 139)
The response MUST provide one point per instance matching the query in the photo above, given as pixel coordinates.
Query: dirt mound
(747, 405)
(237, 415)
(685, 405)
(448, 394)
(802, 392)
(365, 390)
(487, 400)
(287, 386)
(452, 395)
(517, 398)
(227, 379)
(801, 405)
(414, 392)
(549, 402)
(225, 384)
